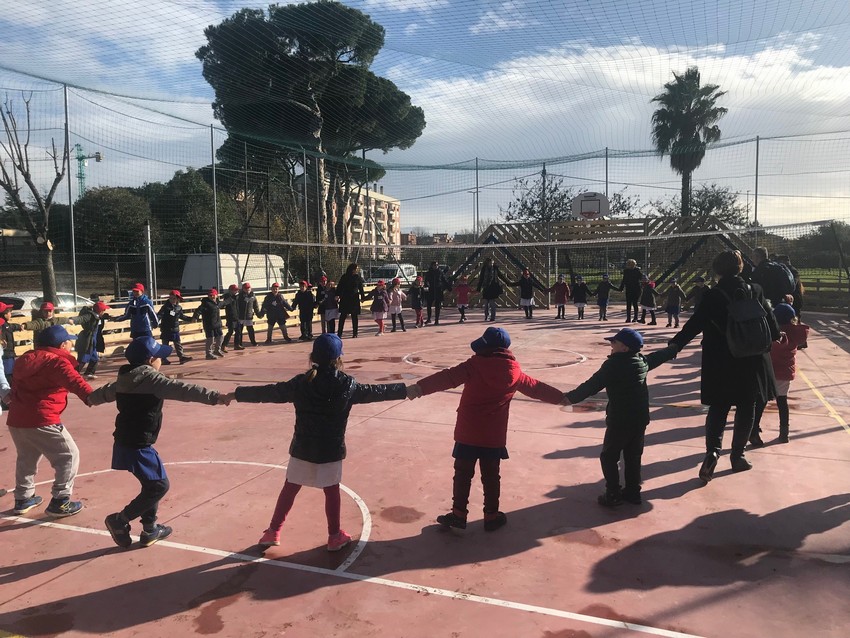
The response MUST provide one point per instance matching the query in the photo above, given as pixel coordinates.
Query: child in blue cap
(623, 377)
(323, 397)
(139, 392)
(490, 379)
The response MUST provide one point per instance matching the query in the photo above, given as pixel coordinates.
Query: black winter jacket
(246, 306)
(580, 292)
(228, 302)
(631, 283)
(305, 303)
(623, 376)
(170, 315)
(526, 287)
(139, 392)
(435, 285)
(209, 310)
(321, 409)
(724, 379)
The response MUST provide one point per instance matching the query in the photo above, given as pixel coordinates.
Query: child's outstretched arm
(444, 379)
(531, 387)
(372, 393)
(655, 359)
(596, 383)
(283, 392)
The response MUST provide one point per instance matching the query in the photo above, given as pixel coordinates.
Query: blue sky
(499, 80)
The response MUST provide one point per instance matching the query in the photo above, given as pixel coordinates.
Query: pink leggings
(287, 498)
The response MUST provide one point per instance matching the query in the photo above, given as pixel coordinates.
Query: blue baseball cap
(784, 313)
(53, 337)
(326, 348)
(492, 338)
(143, 348)
(632, 339)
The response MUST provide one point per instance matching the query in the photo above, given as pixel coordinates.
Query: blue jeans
(490, 309)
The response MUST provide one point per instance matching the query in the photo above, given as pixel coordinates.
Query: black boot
(706, 470)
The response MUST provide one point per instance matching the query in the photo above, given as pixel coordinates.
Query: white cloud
(405, 6)
(507, 16)
(411, 29)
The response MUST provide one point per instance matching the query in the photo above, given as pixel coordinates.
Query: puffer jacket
(321, 409)
(139, 393)
(170, 315)
(489, 383)
(43, 378)
(246, 306)
(209, 310)
(783, 353)
(274, 307)
(623, 375)
(91, 336)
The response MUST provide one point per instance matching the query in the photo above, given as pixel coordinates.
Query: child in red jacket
(783, 355)
(43, 378)
(490, 379)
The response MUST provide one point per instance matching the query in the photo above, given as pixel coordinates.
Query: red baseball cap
(139, 287)
(233, 287)
(47, 306)
(214, 292)
(246, 285)
(177, 294)
(275, 285)
(305, 283)
(323, 279)
(100, 307)
(4, 307)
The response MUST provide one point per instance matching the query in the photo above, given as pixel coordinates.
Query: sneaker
(782, 438)
(60, 507)
(393, 330)
(492, 522)
(706, 470)
(632, 497)
(119, 529)
(288, 339)
(652, 323)
(404, 329)
(337, 541)
(218, 353)
(269, 538)
(452, 520)
(185, 358)
(211, 357)
(24, 505)
(755, 441)
(223, 350)
(91, 377)
(436, 323)
(158, 533)
(165, 362)
(267, 342)
(238, 347)
(740, 464)
(609, 500)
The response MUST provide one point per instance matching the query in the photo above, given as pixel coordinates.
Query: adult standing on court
(728, 381)
(436, 285)
(349, 289)
(489, 287)
(631, 284)
(774, 278)
(799, 291)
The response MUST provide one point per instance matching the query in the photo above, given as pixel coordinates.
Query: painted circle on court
(530, 358)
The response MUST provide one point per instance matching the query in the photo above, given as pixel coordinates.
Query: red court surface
(762, 553)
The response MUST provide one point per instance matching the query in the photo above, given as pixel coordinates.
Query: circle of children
(734, 374)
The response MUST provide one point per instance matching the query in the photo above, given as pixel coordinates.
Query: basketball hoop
(589, 206)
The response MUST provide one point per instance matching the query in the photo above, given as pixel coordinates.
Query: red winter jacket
(783, 353)
(489, 383)
(43, 378)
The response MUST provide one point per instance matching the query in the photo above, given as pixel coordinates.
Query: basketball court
(765, 552)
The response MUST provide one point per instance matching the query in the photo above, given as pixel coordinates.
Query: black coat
(209, 310)
(228, 302)
(321, 409)
(170, 315)
(526, 287)
(436, 284)
(349, 289)
(91, 325)
(488, 282)
(246, 306)
(631, 283)
(725, 379)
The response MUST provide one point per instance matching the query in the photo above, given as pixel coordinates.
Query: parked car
(24, 302)
(388, 272)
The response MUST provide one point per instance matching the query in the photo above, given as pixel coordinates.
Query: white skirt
(526, 302)
(378, 316)
(331, 314)
(647, 307)
(782, 387)
(462, 305)
(395, 310)
(314, 474)
(246, 322)
(579, 304)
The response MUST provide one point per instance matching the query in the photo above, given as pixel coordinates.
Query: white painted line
(406, 359)
(386, 582)
(364, 510)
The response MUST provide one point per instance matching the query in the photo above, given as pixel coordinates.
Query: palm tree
(685, 123)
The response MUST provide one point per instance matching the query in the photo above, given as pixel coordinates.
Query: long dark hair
(351, 268)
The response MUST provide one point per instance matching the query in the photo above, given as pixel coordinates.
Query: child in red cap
(90, 343)
(397, 298)
(305, 303)
(380, 305)
(170, 315)
(526, 292)
(490, 378)
(462, 291)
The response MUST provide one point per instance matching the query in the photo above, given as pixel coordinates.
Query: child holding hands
(623, 376)
(323, 397)
(490, 378)
(139, 392)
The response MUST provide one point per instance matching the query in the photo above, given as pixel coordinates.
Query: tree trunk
(48, 275)
(686, 194)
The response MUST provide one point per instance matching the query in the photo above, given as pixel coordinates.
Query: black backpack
(780, 279)
(747, 329)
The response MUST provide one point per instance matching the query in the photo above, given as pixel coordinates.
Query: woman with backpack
(728, 380)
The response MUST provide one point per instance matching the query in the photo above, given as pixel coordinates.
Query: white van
(388, 272)
(261, 271)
